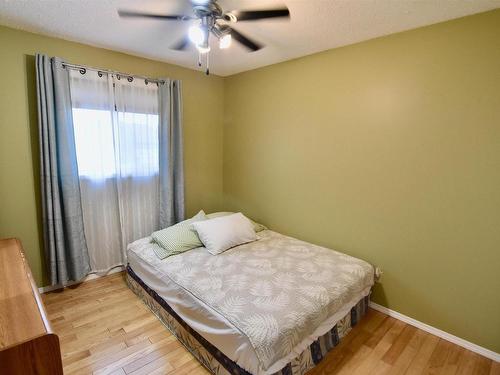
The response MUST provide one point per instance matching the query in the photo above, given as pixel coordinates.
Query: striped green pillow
(177, 238)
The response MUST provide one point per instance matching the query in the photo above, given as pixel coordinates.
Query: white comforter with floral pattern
(276, 290)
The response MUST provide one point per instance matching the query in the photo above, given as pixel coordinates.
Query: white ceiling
(315, 25)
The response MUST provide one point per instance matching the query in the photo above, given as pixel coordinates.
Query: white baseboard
(92, 276)
(437, 332)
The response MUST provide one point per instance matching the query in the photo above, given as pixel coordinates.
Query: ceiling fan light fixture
(196, 35)
(200, 2)
(225, 41)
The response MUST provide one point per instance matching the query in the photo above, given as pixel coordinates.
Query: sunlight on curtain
(116, 136)
(138, 144)
(93, 136)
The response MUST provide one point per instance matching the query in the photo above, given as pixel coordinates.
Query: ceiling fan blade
(248, 43)
(174, 17)
(253, 15)
(181, 45)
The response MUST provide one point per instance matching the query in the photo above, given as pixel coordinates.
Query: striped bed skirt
(218, 363)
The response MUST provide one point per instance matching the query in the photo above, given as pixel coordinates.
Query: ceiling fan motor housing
(211, 9)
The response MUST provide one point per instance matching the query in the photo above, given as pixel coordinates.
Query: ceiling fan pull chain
(208, 64)
(199, 59)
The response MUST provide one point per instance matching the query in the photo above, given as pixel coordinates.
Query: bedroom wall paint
(388, 150)
(19, 163)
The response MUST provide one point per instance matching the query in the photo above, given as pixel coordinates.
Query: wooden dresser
(27, 343)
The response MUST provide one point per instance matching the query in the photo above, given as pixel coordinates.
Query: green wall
(19, 162)
(388, 150)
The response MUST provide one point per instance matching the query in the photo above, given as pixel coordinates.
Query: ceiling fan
(208, 19)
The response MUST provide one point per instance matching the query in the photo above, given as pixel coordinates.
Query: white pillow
(224, 232)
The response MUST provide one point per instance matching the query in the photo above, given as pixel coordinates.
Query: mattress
(199, 295)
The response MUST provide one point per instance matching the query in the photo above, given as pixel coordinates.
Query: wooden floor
(105, 329)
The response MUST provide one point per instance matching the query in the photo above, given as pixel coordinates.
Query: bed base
(219, 364)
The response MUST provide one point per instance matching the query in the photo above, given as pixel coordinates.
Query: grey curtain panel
(64, 239)
(171, 151)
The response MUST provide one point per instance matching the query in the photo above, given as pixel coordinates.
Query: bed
(272, 306)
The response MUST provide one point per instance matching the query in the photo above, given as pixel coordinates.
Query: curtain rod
(130, 77)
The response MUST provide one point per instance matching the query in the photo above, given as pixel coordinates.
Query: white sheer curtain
(136, 147)
(116, 136)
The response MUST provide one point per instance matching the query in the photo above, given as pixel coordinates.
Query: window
(110, 143)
